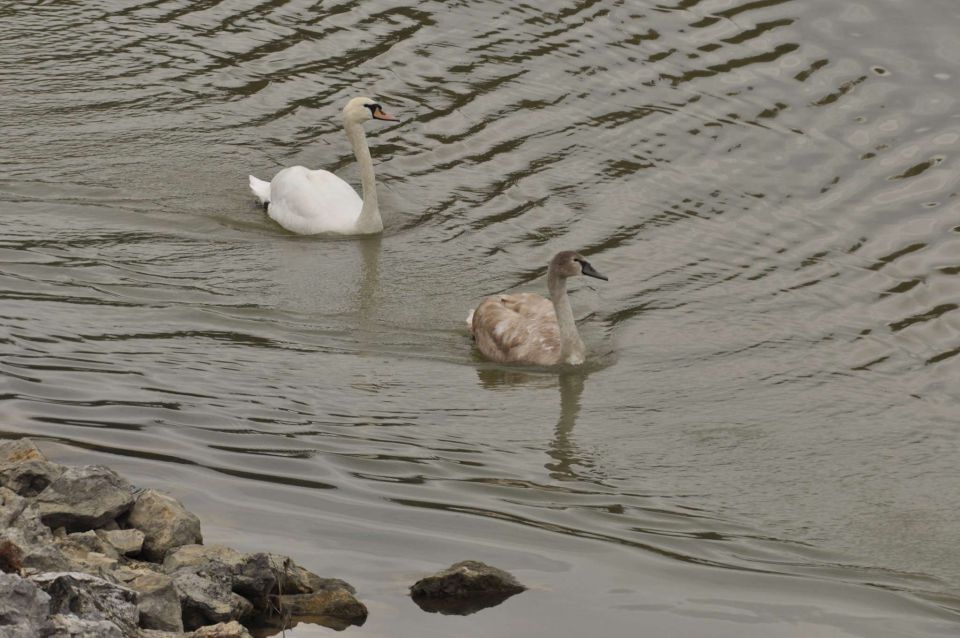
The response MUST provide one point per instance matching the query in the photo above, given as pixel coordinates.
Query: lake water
(764, 440)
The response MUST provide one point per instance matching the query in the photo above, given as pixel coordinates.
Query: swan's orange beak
(380, 114)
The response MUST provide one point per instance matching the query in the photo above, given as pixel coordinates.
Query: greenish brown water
(764, 441)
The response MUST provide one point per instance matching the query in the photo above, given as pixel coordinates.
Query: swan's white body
(530, 329)
(309, 202)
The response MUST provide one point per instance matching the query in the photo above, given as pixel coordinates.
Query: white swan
(309, 202)
(526, 328)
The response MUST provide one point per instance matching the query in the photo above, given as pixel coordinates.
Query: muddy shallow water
(764, 441)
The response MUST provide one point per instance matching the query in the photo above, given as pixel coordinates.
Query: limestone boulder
(158, 600)
(25, 542)
(84, 498)
(24, 469)
(24, 608)
(231, 629)
(249, 575)
(87, 553)
(165, 524)
(18, 513)
(91, 598)
(85, 542)
(207, 602)
(216, 561)
(127, 542)
(68, 626)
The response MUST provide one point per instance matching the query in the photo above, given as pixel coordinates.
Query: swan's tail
(470, 321)
(261, 189)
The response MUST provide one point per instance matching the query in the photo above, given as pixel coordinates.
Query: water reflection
(563, 449)
(569, 383)
(459, 606)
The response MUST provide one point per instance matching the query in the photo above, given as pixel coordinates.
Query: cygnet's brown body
(530, 329)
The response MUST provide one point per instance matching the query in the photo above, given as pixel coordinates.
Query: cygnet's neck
(571, 347)
(369, 220)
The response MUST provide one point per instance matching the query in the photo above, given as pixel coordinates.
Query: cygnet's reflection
(565, 456)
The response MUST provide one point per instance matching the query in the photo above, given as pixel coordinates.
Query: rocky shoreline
(84, 554)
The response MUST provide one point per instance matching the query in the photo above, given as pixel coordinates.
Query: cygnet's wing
(518, 328)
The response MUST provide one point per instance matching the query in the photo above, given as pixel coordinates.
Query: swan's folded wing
(517, 328)
(308, 202)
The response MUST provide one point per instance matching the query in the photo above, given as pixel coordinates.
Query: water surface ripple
(764, 441)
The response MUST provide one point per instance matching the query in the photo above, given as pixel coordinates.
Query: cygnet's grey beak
(589, 271)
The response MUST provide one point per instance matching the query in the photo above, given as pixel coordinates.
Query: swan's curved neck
(571, 347)
(369, 220)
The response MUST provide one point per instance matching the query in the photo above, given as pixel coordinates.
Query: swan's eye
(373, 108)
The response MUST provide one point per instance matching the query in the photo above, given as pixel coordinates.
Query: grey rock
(82, 543)
(207, 560)
(84, 498)
(127, 542)
(45, 558)
(24, 469)
(464, 588)
(231, 629)
(12, 507)
(23, 608)
(158, 601)
(467, 578)
(14, 451)
(91, 598)
(20, 514)
(25, 539)
(25, 542)
(165, 524)
(86, 552)
(207, 602)
(256, 581)
(66, 626)
(250, 575)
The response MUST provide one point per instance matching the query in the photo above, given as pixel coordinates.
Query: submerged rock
(84, 498)
(165, 524)
(293, 579)
(464, 588)
(333, 604)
